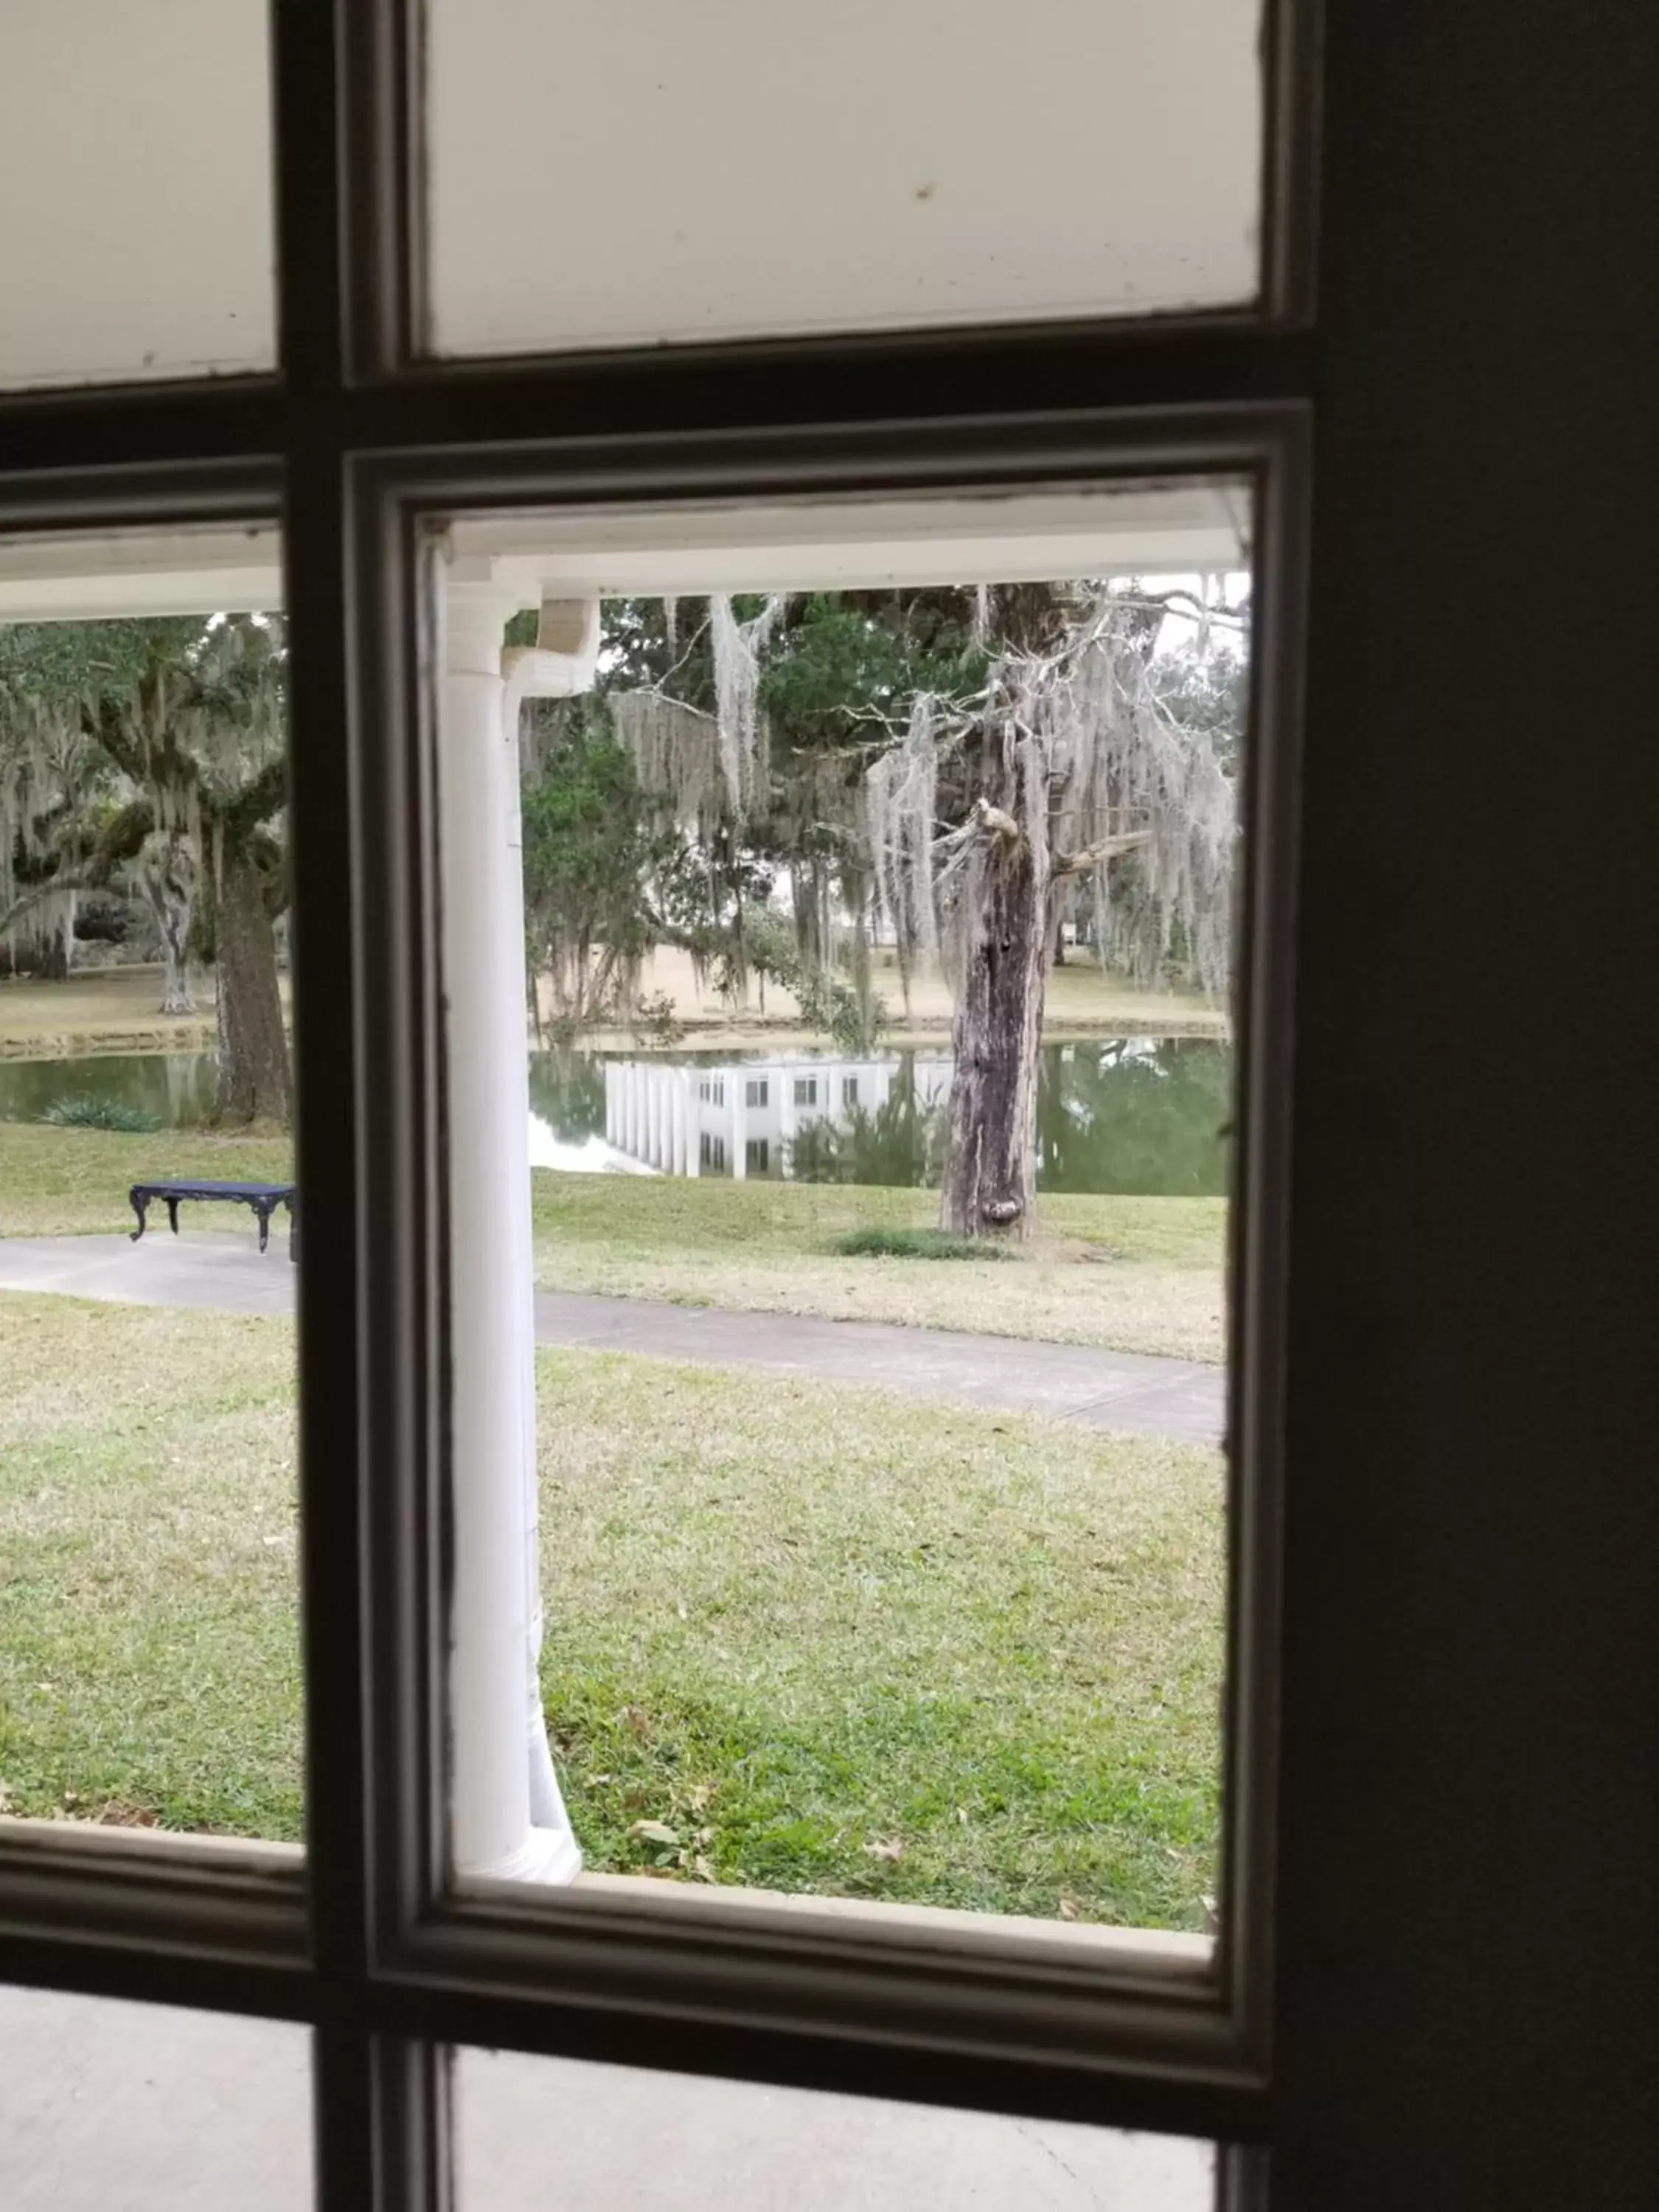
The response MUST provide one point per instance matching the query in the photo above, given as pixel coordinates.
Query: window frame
(1095, 2039)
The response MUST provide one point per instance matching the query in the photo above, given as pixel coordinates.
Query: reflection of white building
(741, 1119)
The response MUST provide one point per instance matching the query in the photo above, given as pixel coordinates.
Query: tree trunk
(253, 1082)
(53, 965)
(168, 876)
(990, 1167)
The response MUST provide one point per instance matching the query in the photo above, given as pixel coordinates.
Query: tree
(177, 791)
(589, 847)
(201, 735)
(48, 768)
(1068, 761)
(967, 765)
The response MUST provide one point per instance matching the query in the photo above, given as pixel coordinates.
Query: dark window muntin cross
(362, 1943)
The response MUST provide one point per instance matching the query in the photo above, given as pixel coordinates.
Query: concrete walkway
(116, 2107)
(1120, 1391)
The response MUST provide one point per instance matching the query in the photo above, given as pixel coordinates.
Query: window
(807, 1091)
(153, 123)
(148, 1485)
(757, 1153)
(915, 233)
(849, 1090)
(756, 322)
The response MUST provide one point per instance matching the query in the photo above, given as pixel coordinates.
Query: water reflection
(1117, 1113)
(173, 1089)
(1135, 1114)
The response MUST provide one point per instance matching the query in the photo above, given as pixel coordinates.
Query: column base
(550, 1855)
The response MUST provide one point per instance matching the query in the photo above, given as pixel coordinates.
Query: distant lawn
(100, 1010)
(1134, 1274)
(827, 1639)
(56, 1181)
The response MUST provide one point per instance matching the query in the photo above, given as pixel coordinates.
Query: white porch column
(787, 1117)
(693, 1121)
(508, 1818)
(609, 1102)
(739, 1125)
(653, 1114)
(678, 1119)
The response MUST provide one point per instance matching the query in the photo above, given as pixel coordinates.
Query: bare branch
(1077, 864)
(993, 818)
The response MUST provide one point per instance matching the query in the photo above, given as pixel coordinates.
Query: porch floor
(115, 2107)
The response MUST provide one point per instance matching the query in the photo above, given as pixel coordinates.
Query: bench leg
(141, 1207)
(172, 1215)
(264, 1213)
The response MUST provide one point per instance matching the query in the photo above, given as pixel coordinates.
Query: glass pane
(135, 170)
(539, 2132)
(614, 176)
(839, 1356)
(116, 2107)
(149, 1656)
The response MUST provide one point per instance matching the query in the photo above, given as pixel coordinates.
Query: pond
(1129, 1114)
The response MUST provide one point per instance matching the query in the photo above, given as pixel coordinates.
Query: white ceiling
(816, 544)
(863, 543)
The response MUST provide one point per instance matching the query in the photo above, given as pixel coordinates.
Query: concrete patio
(108, 2107)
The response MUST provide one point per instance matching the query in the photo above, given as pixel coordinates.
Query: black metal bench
(264, 1197)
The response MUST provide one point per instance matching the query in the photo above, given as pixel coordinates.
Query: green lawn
(74, 1182)
(148, 1636)
(1134, 1274)
(826, 1639)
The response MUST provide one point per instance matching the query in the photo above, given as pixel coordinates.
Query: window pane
(150, 2108)
(149, 1659)
(923, 1614)
(603, 176)
(533, 2131)
(135, 172)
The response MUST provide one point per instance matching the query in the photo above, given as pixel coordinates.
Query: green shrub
(82, 1112)
(917, 1244)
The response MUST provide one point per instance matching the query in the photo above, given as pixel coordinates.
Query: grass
(82, 1111)
(1080, 998)
(149, 1666)
(833, 1643)
(823, 1639)
(57, 1181)
(100, 1010)
(878, 1243)
(116, 1009)
(1134, 1274)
